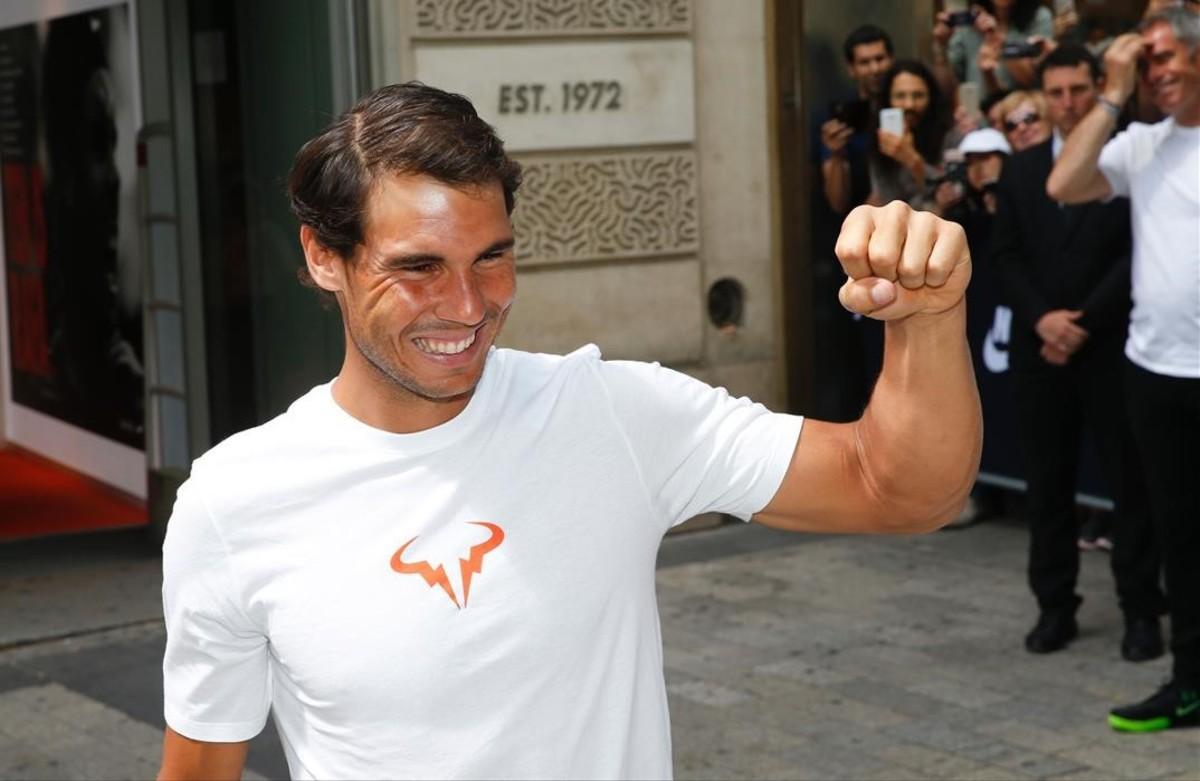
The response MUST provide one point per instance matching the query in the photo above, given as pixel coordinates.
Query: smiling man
(1158, 168)
(441, 564)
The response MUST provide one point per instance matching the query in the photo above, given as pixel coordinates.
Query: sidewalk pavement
(787, 656)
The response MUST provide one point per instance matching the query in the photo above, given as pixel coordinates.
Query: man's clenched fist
(901, 262)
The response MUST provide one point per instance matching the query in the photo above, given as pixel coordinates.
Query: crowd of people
(1071, 158)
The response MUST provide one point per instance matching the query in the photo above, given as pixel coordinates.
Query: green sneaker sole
(1143, 725)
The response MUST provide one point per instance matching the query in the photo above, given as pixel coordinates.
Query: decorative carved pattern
(460, 18)
(607, 206)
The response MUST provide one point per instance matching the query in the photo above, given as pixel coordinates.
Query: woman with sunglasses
(1024, 119)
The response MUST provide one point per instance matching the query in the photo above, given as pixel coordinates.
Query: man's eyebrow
(500, 246)
(412, 259)
(419, 258)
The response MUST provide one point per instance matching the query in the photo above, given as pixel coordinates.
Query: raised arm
(1076, 177)
(184, 758)
(908, 464)
(835, 169)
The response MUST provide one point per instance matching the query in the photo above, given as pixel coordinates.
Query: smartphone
(892, 120)
(968, 98)
(958, 13)
(1014, 50)
(856, 114)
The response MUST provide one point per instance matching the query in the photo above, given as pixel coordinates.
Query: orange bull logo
(469, 566)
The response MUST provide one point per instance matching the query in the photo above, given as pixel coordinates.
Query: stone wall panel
(495, 18)
(607, 207)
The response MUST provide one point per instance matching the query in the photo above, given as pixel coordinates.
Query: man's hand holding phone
(835, 134)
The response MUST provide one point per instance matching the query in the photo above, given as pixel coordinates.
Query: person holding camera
(966, 191)
(844, 135)
(1066, 269)
(1156, 167)
(995, 44)
(902, 164)
(853, 347)
(965, 194)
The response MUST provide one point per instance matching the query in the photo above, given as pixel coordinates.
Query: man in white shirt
(1158, 168)
(441, 564)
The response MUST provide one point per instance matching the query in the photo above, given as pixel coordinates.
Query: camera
(856, 114)
(961, 18)
(1012, 50)
(954, 172)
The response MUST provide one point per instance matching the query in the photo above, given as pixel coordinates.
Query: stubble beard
(403, 384)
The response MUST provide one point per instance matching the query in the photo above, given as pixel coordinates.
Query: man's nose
(461, 300)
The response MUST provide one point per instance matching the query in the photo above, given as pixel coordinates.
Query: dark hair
(1184, 22)
(406, 128)
(864, 34)
(1021, 16)
(930, 132)
(989, 101)
(1070, 55)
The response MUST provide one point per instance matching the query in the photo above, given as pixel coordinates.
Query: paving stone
(12, 677)
(892, 697)
(1117, 763)
(1029, 736)
(805, 671)
(841, 657)
(957, 693)
(930, 762)
(992, 773)
(706, 693)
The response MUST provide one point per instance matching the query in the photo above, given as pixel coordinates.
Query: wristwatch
(1113, 109)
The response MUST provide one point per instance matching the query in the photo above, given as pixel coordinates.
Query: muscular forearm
(836, 172)
(184, 758)
(1076, 177)
(921, 434)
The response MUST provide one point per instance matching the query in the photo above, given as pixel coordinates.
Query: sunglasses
(1017, 122)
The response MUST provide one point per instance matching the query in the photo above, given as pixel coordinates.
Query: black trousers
(1054, 405)
(1165, 415)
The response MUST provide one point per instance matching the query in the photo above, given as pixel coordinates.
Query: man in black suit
(1066, 270)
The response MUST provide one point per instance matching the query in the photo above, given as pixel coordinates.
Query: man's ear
(326, 267)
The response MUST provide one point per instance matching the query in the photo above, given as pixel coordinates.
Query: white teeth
(445, 348)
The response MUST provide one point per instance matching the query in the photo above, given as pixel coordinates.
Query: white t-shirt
(473, 600)
(1158, 168)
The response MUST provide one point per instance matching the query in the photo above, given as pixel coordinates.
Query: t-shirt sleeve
(697, 448)
(1114, 163)
(215, 670)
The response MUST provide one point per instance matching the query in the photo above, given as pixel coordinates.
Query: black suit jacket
(1059, 257)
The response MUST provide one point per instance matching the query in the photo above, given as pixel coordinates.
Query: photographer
(901, 165)
(966, 192)
(845, 135)
(851, 351)
(996, 44)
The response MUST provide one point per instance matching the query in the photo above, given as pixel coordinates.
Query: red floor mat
(39, 497)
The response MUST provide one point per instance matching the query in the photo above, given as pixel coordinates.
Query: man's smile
(442, 346)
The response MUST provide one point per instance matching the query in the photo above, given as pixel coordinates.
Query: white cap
(984, 141)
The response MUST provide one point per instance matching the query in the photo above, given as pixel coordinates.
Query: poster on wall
(68, 108)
